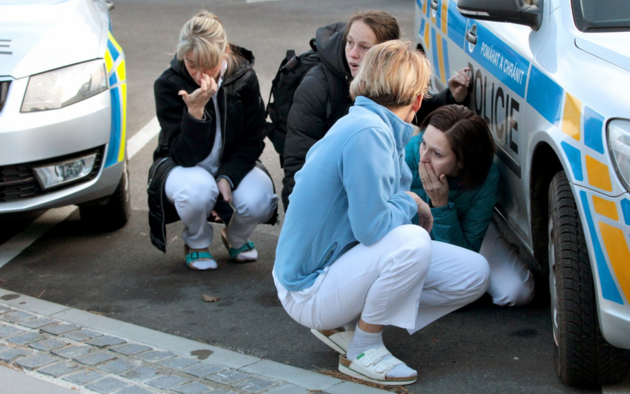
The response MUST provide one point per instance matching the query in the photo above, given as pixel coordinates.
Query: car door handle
(434, 4)
(471, 35)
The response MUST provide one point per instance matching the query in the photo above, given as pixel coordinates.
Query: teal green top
(465, 219)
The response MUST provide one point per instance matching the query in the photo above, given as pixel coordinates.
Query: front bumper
(31, 139)
(606, 223)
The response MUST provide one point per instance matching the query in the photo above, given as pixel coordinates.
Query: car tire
(582, 357)
(115, 213)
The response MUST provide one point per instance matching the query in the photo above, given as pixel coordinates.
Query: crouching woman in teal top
(453, 171)
(348, 251)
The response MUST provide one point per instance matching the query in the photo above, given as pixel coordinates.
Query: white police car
(62, 110)
(551, 78)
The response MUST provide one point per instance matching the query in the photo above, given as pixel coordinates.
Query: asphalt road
(480, 349)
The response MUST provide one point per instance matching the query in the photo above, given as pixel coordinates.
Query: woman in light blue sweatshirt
(348, 251)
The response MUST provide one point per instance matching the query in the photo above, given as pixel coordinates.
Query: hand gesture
(425, 216)
(225, 189)
(458, 84)
(435, 186)
(197, 100)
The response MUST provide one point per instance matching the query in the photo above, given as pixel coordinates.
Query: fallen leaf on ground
(207, 298)
(8, 365)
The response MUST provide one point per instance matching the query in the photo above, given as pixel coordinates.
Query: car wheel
(115, 213)
(582, 357)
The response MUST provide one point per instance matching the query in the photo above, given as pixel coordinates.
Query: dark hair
(384, 26)
(470, 141)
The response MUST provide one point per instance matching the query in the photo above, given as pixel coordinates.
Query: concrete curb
(297, 380)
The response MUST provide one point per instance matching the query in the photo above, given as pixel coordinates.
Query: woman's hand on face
(197, 100)
(435, 186)
(425, 216)
(458, 84)
(225, 189)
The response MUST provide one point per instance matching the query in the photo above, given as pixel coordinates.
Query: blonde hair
(392, 74)
(204, 35)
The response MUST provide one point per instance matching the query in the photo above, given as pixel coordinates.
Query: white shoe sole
(355, 374)
(338, 342)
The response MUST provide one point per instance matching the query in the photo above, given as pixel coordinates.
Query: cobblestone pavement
(89, 360)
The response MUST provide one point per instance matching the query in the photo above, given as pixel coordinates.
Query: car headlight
(619, 145)
(64, 86)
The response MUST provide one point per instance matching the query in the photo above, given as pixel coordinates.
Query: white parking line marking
(142, 137)
(258, 1)
(13, 247)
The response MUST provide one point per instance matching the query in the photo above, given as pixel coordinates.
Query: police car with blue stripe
(551, 79)
(62, 110)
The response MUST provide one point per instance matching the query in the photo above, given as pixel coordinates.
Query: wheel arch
(545, 163)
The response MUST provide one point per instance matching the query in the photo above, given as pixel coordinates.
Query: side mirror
(522, 12)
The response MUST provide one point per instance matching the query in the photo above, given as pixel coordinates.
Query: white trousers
(511, 282)
(405, 280)
(194, 192)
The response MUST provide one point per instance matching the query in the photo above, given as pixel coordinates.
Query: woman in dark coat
(212, 117)
(323, 95)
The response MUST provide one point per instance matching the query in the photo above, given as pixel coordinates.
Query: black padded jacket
(186, 141)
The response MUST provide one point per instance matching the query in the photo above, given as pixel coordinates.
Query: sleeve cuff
(228, 179)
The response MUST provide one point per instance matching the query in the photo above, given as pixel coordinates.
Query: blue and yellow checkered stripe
(583, 145)
(115, 61)
(435, 39)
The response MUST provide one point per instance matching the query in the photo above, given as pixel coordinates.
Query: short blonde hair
(392, 74)
(204, 35)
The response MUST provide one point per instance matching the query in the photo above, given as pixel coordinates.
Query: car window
(598, 16)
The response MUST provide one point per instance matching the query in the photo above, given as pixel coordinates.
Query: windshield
(598, 15)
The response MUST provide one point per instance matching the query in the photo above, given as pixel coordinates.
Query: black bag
(292, 70)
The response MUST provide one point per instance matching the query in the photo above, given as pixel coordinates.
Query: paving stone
(106, 340)
(167, 381)
(292, 389)
(13, 353)
(117, 367)
(141, 374)
(48, 344)
(106, 385)
(192, 388)
(82, 335)
(37, 323)
(3, 348)
(254, 385)
(7, 331)
(223, 391)
(26, 338)
(4, 309)
(155, 355)
(203, 369)
(72, 351)
(59, 369)
(60, 329)
(227, 376)
(134, 390)
(92, 359)
(130, 349)
(83, 377)
(179, 362)
(15, 317)
(36, 361)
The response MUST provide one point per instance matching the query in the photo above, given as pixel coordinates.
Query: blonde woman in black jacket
(212, 118)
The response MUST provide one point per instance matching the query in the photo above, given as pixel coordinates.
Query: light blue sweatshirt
(351, 190)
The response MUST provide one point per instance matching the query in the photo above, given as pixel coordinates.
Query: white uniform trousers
(404, 279)
(194, 192)
(511, 282)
